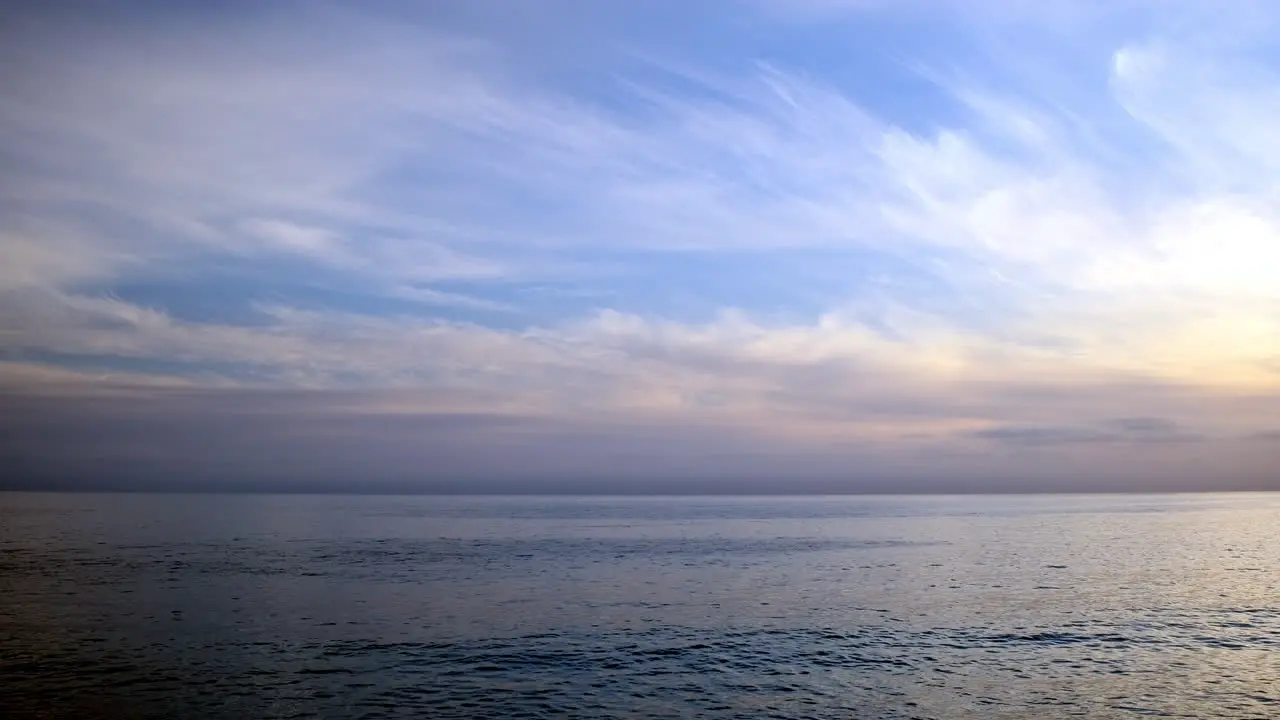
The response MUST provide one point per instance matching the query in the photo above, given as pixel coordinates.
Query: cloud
(292, 237)
(309, 440)
(167, 140)
(34, 379)
(1014, 259)
(1123, 430)
(816, 383)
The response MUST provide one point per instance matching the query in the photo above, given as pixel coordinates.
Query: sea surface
(248, 606)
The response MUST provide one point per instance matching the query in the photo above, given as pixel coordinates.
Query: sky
(722, 246)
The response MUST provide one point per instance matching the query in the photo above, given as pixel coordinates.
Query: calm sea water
(850, 607)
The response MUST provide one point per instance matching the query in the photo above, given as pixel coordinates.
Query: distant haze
(640, 246)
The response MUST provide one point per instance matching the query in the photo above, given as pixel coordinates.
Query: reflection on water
(279, 606)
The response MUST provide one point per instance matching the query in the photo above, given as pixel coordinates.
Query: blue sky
(840, 239)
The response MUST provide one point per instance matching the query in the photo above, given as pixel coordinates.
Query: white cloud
(292, 237)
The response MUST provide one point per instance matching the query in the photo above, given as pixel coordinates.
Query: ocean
(276, 606)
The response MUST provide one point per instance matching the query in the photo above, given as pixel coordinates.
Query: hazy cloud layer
(864, 245)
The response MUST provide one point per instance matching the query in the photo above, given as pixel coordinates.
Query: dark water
(980, 607)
